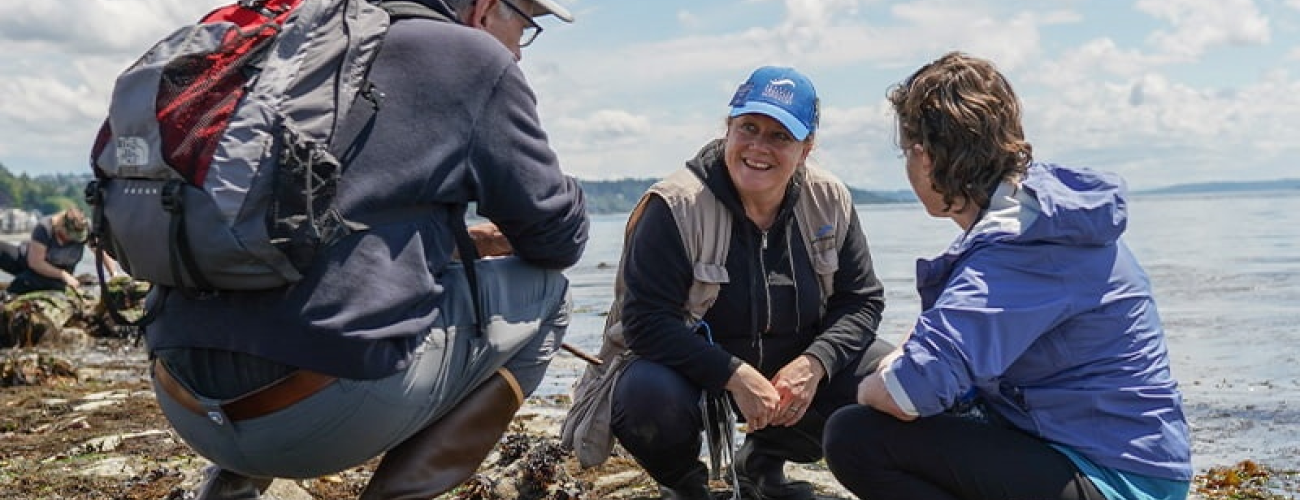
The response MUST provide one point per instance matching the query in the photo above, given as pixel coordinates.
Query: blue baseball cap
(782, 93)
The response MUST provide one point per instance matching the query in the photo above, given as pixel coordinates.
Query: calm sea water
(1226, 272)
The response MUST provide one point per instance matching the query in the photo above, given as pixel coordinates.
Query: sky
(1163, 92)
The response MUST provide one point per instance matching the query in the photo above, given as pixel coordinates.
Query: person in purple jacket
(378, 350)
(1038, 367)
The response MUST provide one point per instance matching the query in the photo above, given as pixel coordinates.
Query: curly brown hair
(965, 115)
(72, 222)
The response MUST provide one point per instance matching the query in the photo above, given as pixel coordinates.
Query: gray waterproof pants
(352, 421)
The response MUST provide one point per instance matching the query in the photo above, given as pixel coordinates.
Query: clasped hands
(781, 401)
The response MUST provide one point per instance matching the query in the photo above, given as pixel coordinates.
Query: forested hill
(622, 195)
(53, 192)
(45, 193)
(1227, 187)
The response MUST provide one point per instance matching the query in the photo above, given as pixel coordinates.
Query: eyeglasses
(531, 31)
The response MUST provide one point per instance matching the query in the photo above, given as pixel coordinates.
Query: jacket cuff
(824, 354)
(713, 371)
(895, 387)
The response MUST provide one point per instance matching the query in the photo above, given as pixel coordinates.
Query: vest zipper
(767, 291)
(757, 340)
(794, 276)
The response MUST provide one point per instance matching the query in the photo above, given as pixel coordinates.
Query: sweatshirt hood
(1056, 205)
(1052, 205)
(1078, 206)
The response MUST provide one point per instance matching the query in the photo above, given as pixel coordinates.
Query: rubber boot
(221, 484)
(447, 452)
(694, 487)
(762, 476)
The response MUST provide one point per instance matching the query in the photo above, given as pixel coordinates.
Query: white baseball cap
(553, 7)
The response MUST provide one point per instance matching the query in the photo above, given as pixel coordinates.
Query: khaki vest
(822, 212)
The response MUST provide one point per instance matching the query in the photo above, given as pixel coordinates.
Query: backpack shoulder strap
(823, 213)
(399, 9)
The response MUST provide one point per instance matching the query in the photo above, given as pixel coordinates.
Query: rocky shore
(85, 425)
(80, 422)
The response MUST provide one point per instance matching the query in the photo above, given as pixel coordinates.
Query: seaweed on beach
(1247, 480)
(528, 467)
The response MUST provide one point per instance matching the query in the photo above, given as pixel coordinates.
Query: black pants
(12, 260)
(879, 457)
(31, 281)
(657, 417)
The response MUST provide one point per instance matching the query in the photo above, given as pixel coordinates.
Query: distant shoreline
(1281, 185)
(620, 196)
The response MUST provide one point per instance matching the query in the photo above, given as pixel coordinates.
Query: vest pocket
(826, 261)
(704, 290)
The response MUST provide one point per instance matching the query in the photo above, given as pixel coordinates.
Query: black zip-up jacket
(458, 124)
(767, 314)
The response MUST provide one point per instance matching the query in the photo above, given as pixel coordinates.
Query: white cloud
(689, 20)
(1094, 60)
(931, 27)
(607, 127)
(59, 63)
(806, 21)
(1199, 25)
(121, 27)
(857, 144)
(1150, 124)
(618, 106)
(1101, 100)
(54, 107)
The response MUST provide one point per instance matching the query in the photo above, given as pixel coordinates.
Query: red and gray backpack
(217, 166)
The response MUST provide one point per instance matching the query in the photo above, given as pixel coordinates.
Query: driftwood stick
(583, 355)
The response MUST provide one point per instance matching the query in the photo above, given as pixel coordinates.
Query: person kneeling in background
(48, 260)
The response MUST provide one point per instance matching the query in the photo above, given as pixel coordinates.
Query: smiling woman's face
(762, 156)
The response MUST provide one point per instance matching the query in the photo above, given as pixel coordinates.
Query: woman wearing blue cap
(792, 329)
